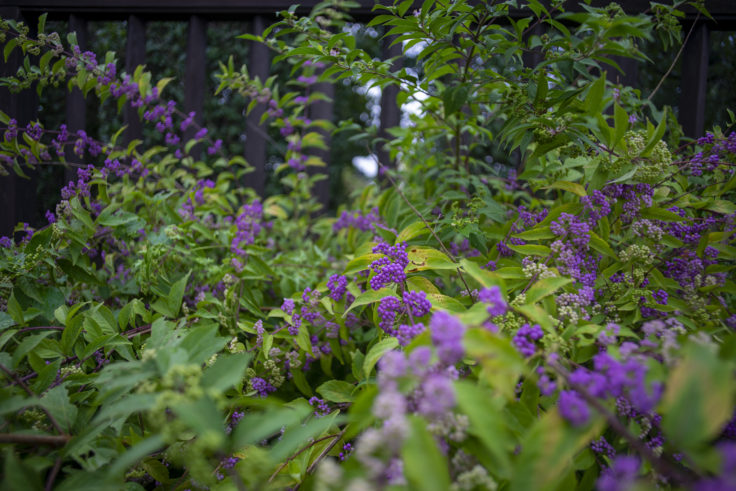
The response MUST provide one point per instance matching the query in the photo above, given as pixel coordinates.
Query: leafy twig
(421, 217)
(302, 450)
(53, 421)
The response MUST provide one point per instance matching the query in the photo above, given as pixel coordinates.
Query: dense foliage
(539, 297)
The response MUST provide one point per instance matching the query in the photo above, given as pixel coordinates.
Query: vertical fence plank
(76, 104)
(18, 195)
(694, 81)
(195, 79)
(8, 104)
(255, 134)
(390, 110)
(630, 67)
(135, 54)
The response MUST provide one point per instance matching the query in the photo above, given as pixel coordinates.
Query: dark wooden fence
(17, 195)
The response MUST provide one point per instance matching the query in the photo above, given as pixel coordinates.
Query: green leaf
(136, 453)
(424, 465)
(547, 451)
(545, 287)
(27, 345)
(414, 230)
(423, 258)
(601, 245)
(360, 263)
(336, 391)
(422, 284)
(655, 213)
(201, 415)
(56, 401)
(572, 187)
(297, 436)
(487, 423)
(483, 277)
(176, 294)
(226, 372)
(156, 470)
(655, 137)
(699, 398)
(621, 123)
(531, 249)
(536, 233)
(444, 302)
(594, 99)
(376, 352)
(370, 296)
(501, 363)
(257, 426)
(6, 321)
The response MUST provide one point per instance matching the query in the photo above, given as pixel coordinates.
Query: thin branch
(52, 475)
(30, 439)
(25, 387)
(302, 450)
(324, 452)
(677, 57)
(41, 328)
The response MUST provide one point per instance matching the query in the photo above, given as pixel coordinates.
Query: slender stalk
(30, 439)
(674, 62)
(52, 475)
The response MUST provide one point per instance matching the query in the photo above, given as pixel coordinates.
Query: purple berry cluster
(390, 268)
(447, 333)
(337, 284)
(525, 337)
(416, 302)
(494, 298)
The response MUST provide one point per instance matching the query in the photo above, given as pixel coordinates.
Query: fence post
(76, 104)
(694, 81)
(255, 134)
(390, 110)
(18, 195)
(195, 80)
(135, 54)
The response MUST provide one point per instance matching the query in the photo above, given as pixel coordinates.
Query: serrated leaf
(56, 401)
